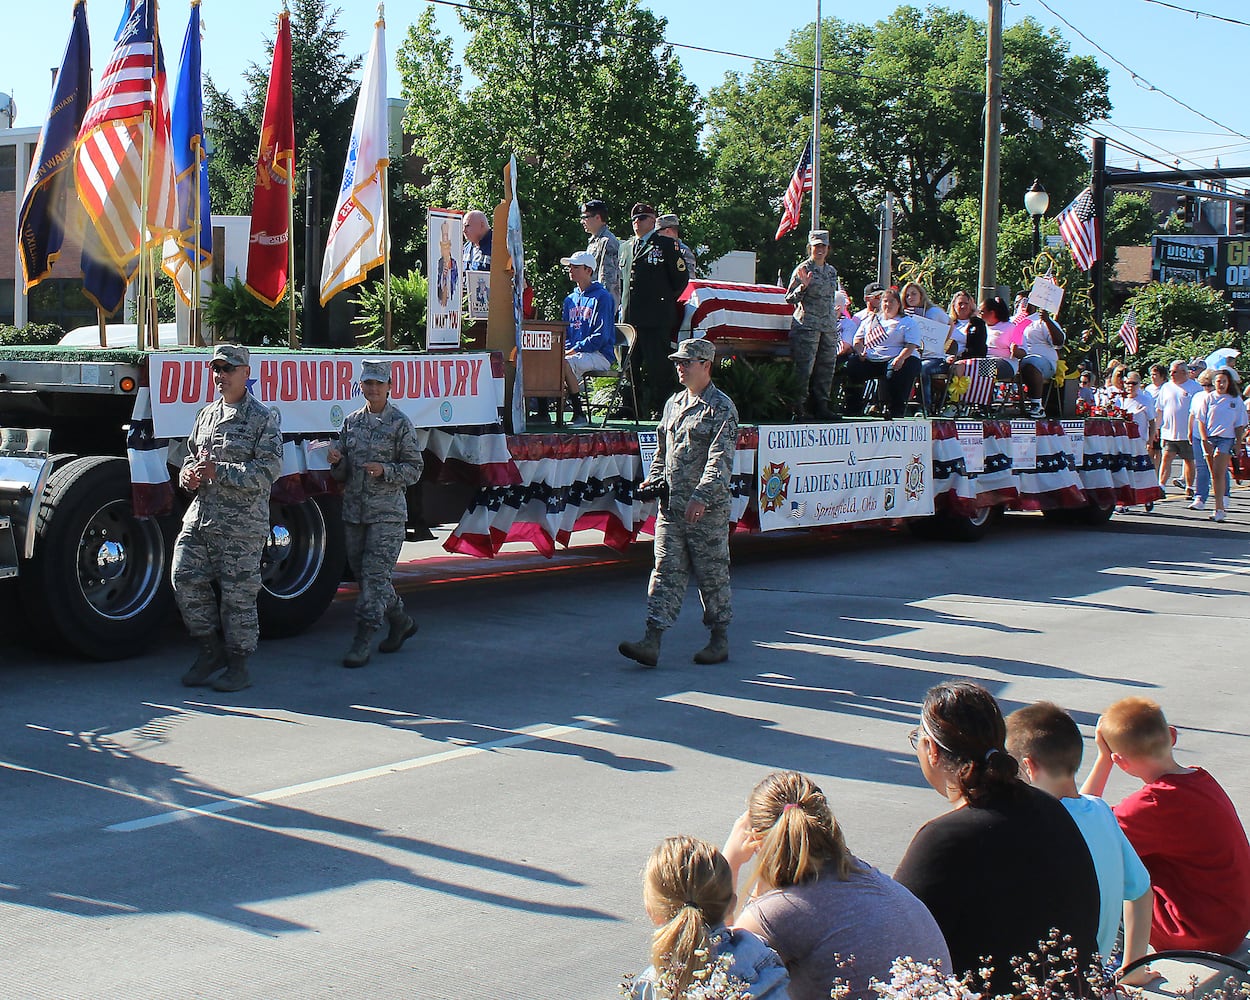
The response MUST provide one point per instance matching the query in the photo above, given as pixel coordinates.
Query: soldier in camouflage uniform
(814, 338)
(605, 247)
(378, 457)
(698, 435)
(234, 454)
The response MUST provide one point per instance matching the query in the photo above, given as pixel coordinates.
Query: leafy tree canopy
(902, 104)
(591, 101)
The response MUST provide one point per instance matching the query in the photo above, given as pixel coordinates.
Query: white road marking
(518, 738)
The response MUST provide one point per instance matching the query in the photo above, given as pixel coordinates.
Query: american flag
(875, 332)
(800, 184)
(1079, 229)
(1128, 331)
(798, 508)
(108, 153)
(980, 382)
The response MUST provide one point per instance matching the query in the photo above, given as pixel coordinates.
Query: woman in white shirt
(1220, 419)
(916, 302)
(886, 347)
(1038, 356)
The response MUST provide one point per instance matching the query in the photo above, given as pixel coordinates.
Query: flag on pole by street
(1128, 331)
(268, 252)
(356, 241)
(190, 164)
(49, 194)
(129, 110)
(800, 184)
(1079, 230)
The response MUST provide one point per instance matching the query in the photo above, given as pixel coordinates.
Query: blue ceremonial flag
(45, 203)
(128, 8)
(102, 282)
(190, 162)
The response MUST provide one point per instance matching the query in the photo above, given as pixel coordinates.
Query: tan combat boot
(236, 677)
(401, 628)
(361, 648)
(646, 651)
(211, 659)
(717, 648)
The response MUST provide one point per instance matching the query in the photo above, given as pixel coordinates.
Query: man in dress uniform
(694, 459)
(605, 247)
(234, 454)
(654, 274)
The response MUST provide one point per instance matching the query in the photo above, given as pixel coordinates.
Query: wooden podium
(542, 362)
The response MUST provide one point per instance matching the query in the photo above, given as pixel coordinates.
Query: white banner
(314, 392)
(814, 474)
(972, 441)
(445, 243)
(648, 444)
(1023, 445)
(1075, 430)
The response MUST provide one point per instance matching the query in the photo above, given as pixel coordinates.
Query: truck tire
(99, 579)
(956, 527)
(302, 565)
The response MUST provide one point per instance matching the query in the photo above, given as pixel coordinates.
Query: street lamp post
(1036, 201)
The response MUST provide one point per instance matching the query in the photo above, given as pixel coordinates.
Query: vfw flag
(355, 243)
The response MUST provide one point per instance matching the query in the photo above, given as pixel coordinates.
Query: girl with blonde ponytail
(828, 914)
(688, 892)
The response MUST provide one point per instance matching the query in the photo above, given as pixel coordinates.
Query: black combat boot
(647, 650)
(236, 677)
(717, 648)
(401, 628)
(211, 659)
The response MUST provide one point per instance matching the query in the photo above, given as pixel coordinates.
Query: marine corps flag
(357, 231)
(268, 253)
(41, 219)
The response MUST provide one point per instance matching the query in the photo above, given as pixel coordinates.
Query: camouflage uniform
(607, 251)
(814, 338)
(227, 525)
(376, 509)
(695, 455)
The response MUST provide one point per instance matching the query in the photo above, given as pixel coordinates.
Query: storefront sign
(1232, 272)
(313, 393)
(814, 474)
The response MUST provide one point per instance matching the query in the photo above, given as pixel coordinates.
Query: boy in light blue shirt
(1047, 743)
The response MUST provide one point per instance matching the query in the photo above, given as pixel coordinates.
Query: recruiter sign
(817, 474)
(314, 392)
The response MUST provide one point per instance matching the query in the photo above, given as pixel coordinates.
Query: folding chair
(626, 336)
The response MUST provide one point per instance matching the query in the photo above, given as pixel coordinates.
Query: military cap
(818, 236)
(375, 371)
(694, 349)
(873, 288)
(583, 258)
(232, 354)
(640, 209)
(669, 221)
(595, 206)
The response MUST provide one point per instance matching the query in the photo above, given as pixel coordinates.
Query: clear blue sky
(1199, 61)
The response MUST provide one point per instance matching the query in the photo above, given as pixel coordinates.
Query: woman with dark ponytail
(823, 910)
(688, 891)
(1007, 864)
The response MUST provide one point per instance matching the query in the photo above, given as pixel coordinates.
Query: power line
(1137, 77)
(1200, 13)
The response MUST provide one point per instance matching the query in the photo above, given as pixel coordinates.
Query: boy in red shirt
(1183, 826)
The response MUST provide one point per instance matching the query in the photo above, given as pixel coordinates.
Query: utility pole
(885, 242)
(988, 275)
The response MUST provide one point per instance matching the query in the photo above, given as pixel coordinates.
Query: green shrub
(764, 391)
(409, 294)
(31, 334)
(239, 317)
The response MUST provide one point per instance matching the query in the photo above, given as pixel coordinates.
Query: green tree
(902, 113)
(591, 101)
(1179, 320)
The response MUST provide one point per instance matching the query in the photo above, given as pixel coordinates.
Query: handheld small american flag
(800, 184)
(980, 382)
(1128, 331)
(108, 153)
(876, 333)
(1079, 230)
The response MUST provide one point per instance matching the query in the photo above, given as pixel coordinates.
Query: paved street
(468, 819)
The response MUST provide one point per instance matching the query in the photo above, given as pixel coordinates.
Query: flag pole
(103, 324)
(386, 256)
(292, 333)
(141, 304)
(816, 127)
(197, 340)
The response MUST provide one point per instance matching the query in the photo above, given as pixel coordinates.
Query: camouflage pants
(682, 549)
(815, 354)
(204, 556)
(372, 551)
